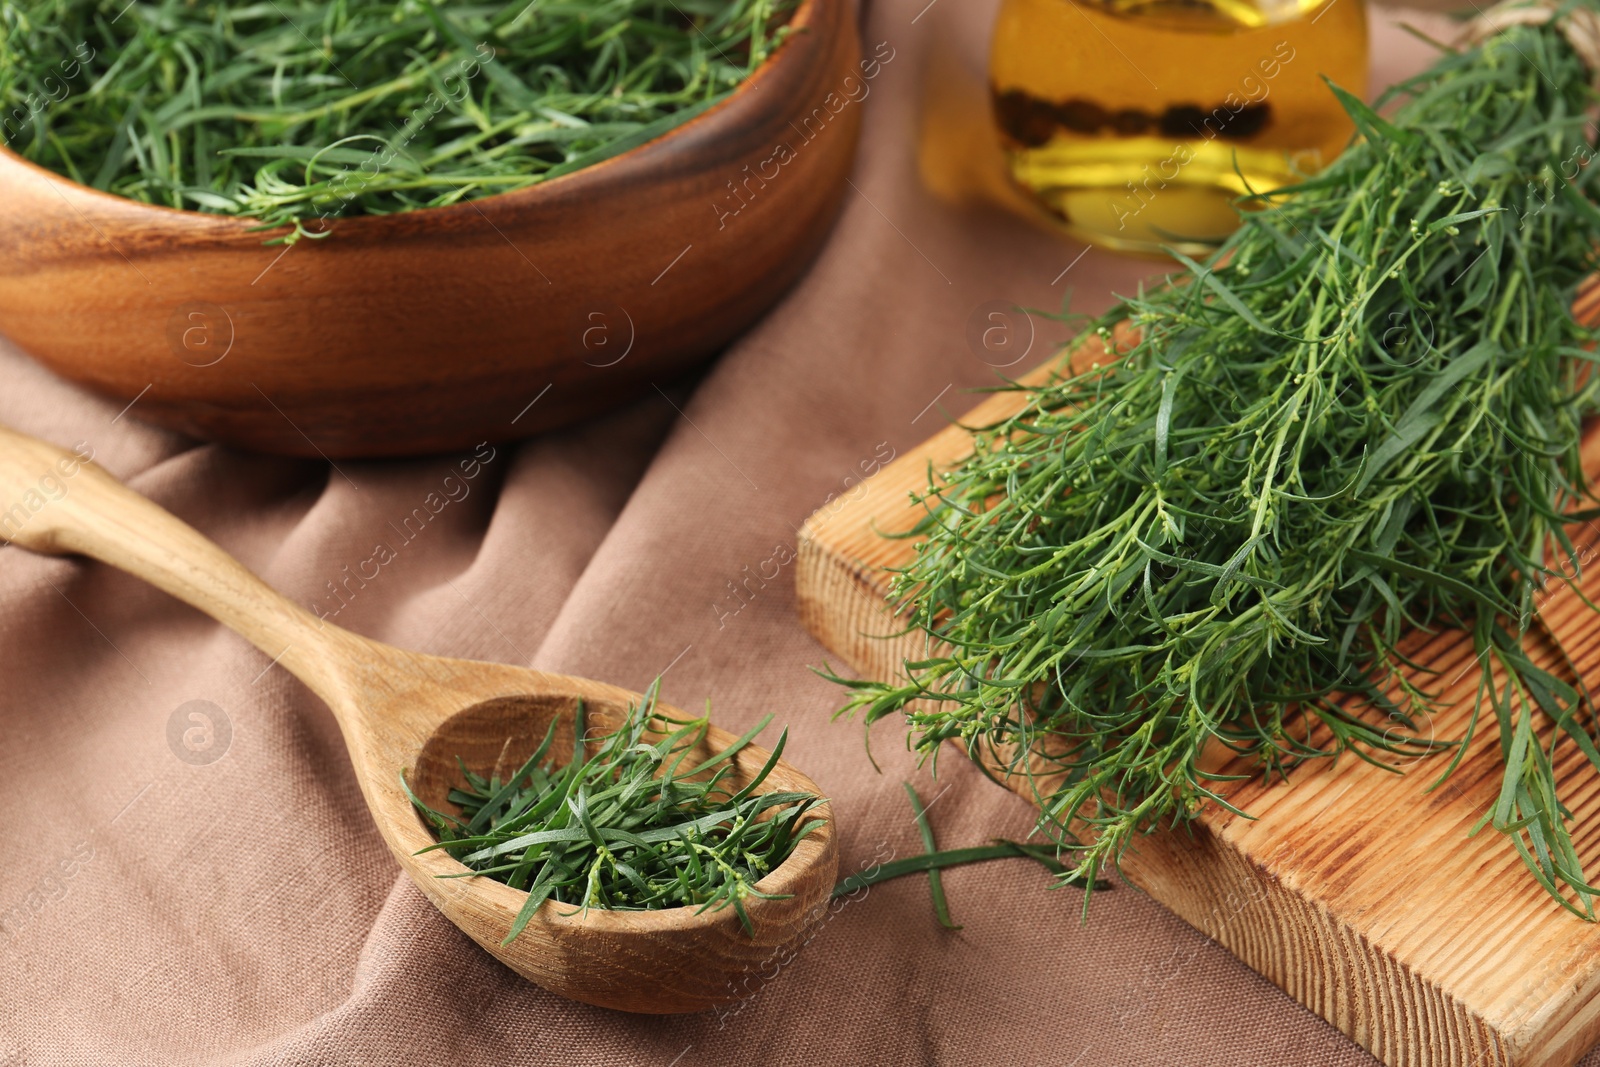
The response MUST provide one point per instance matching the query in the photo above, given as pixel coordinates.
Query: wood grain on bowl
(437, 329)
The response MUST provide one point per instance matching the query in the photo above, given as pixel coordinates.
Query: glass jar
(1136, 123)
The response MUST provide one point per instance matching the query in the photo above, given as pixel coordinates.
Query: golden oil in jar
(1137, 123)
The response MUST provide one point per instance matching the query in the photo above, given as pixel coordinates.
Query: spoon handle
(57, 502)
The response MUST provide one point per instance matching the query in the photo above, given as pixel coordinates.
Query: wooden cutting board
(1353, 889)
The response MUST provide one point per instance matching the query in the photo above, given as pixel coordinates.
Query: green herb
(295, 111)
(933, 861)
(1359, 418)
(628, 825)
(1044, 855)
(941, 907)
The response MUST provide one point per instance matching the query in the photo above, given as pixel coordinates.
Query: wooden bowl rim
(787, 878)
(804, 18)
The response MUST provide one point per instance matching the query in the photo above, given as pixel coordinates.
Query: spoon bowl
(691, 960)
(407, 713)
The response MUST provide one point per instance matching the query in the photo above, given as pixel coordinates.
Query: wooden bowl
(437, 329)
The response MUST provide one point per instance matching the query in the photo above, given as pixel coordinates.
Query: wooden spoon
(399, 711)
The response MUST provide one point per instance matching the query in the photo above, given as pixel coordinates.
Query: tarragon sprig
(637, 819)
(1360, 417)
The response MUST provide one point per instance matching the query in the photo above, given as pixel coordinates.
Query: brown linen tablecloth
(235, 906)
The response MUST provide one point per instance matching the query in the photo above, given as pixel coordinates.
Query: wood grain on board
(1354, 889)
